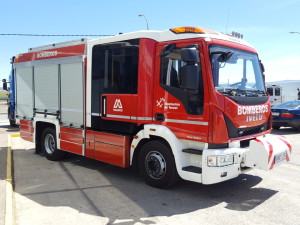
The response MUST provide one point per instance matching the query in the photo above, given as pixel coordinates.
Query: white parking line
(291, 166)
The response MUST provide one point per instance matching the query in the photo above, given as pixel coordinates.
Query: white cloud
(283, 68)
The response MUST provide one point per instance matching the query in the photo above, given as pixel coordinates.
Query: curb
(9, 208)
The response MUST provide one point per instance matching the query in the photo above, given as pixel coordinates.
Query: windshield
(236, 70)
(288, 105)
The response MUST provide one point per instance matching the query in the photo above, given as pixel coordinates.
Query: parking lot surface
(78, 190)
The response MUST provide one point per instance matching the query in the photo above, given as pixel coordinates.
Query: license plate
(280, 157)
(275, 113)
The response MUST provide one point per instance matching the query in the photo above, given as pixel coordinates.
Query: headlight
(220, 160)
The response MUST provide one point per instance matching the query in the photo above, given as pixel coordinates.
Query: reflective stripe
(70, 142)
(145, 118)
(128, 117)
(71, 110)
(24, 105)
(150, 118)
(61, 60)
(43, 107)
(187, 122)
(118, 116)
(26, 132)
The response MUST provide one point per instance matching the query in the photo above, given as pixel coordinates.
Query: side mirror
(4, 86)
(262, 66)
(189, 55)
(225, 56)
(190, 77)
(190, 72)
(167, 50)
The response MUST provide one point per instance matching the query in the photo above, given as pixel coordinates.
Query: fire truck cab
(184, 103)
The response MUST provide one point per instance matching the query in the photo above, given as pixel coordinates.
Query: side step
(192, 169)
(192, 151)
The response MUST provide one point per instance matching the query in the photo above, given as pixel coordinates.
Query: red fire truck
(184, 103)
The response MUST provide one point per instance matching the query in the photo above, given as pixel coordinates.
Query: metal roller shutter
(72, 94)
(24, 93)
(46, 88)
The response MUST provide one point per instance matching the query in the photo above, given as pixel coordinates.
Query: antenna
(228, 13)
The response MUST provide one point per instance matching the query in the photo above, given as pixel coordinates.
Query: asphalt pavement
(78, 190)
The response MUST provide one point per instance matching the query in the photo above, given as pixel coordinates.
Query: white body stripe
(255, 156)
(187, 122)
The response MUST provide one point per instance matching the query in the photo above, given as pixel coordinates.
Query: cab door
(179, 98)
(275, 93)
(114, 86)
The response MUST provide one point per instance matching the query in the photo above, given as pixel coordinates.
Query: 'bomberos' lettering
(46, 54)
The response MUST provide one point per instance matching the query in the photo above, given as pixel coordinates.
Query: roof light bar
(180, 30)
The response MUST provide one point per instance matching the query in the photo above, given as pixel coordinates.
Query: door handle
(104, 104)
(159, 117)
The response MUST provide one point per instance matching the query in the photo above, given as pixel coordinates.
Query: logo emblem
(160, 102)
(118, 106)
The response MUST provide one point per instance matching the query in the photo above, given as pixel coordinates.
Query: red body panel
(27, 130)
(111, 139)
(244, 115)
(146, 72)
(90, 144)
(183, 125)
(71, 140)
(71, 147)
(113, 149)
(120, 107)
(218, 128)
(74, 50)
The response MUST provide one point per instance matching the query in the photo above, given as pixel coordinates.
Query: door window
(174, 67)
(277, 91)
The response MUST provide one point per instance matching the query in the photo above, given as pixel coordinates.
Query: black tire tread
(171, 177)
(57, 154)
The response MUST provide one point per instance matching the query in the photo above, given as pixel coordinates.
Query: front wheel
(49, 145)
(157, 165)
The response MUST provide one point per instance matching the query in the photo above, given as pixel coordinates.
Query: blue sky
(265, 24)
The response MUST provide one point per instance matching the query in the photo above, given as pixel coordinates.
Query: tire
(12, 123)
(157, 165)
(276, 127)
(48, 143)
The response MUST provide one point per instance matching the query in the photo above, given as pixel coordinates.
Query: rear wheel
(157, 165)
(49, 145)
(12, 122)
(276, 127)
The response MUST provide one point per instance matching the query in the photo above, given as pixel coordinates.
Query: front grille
(249, 130)
(235, 132)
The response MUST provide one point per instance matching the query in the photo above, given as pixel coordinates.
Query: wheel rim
(49, 144)
(155, 165)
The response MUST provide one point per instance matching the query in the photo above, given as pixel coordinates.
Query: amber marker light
(195, 30)
(179, 30)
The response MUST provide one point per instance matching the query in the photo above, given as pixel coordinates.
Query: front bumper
(286, 123)
(263, 153)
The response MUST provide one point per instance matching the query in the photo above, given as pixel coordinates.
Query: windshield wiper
(231, 91)
(240, 92)
(259, 92)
